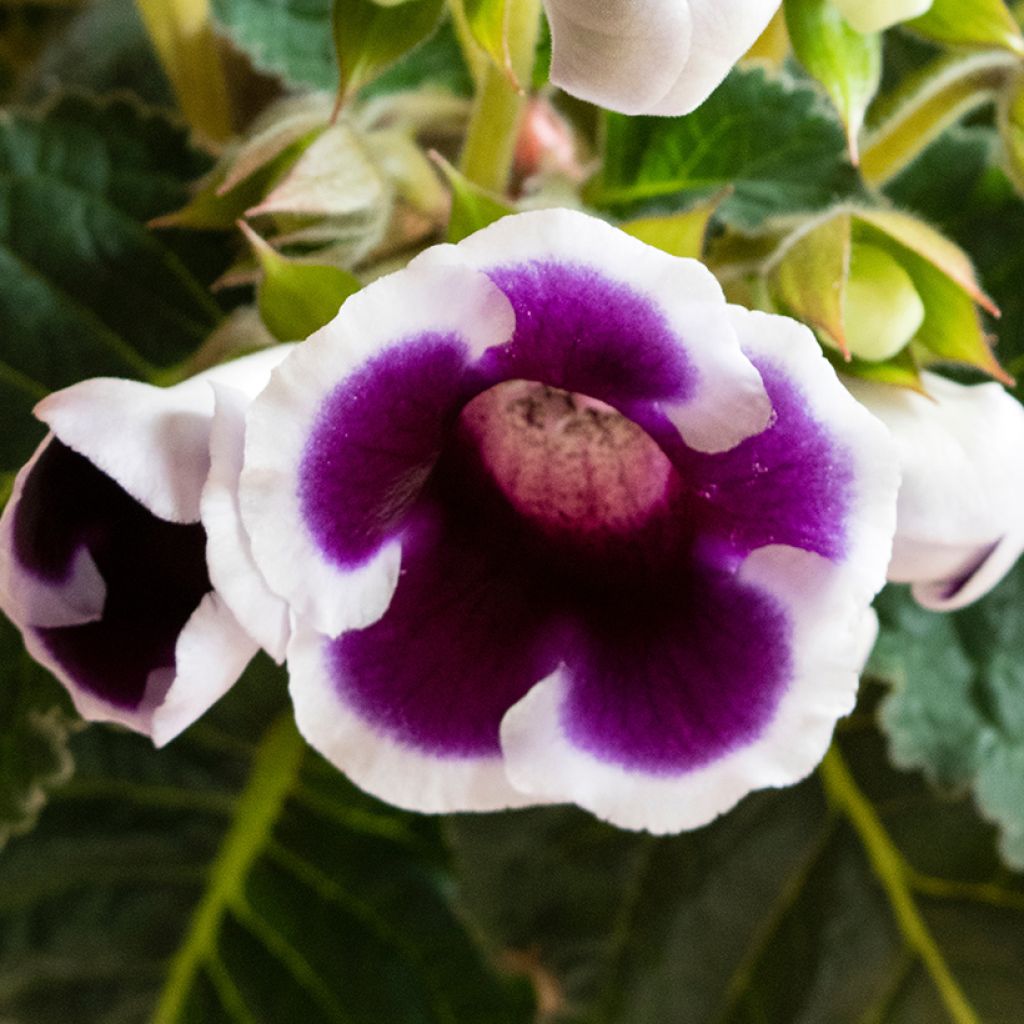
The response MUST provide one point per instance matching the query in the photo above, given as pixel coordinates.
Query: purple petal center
(155, 573)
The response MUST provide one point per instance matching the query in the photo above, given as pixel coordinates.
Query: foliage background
(236, 876)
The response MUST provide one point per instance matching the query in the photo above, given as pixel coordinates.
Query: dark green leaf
(233, 878)
(957, 706)
(782, 911)
(774, 142)
(34, 728)
(85, 288)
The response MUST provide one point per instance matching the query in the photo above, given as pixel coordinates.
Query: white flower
(103, 556)
(960, 523)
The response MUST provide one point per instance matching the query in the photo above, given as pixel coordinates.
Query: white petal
(384, 315)
(228, 551)
(876, 15)
(389, 770)
(830, 641)
(620, 54)
(729, 402)
(211, 653)
(723, 30)
(960, 523)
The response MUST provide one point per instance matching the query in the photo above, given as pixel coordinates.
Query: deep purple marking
(375, 442)
(155, 573)
(790, 484)
(670, 682)
(583, 332)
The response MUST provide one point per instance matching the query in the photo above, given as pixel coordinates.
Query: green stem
(475, 58)
(891, 871)
(494, 125)
(275, 770)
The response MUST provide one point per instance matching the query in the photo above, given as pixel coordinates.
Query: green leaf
(85, 288)
(955, 186)
(234, 877)
(726, 142)
(297, 298)
(924, 105)
(34, 729)
(957, 706)
(984, 23)
(679, 234)
(369, 37)
(846, 63)
(289, 38)
(1011, 130)
(863, 899)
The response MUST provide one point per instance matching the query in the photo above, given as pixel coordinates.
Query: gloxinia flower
(102, 555)
(650, 56)
(555, 523)
(960, 517)
(667, 56)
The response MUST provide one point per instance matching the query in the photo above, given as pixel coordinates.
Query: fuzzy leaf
(679, 234)
(983, 23)
(233, 876)
(651, 162)
(957, 706)
(473, 208)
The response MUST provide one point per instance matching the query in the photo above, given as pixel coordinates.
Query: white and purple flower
(555, 523)
(960, 517)
(103, 561)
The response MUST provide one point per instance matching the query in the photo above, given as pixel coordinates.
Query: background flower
(960, 524)
(103, 558)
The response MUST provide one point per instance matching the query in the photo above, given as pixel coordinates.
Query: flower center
(568, 461)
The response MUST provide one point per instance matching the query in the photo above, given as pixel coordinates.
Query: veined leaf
(233, 877)
(856, 897)
(957, 706)
(85, 288)
(772, 141)
(983, 23)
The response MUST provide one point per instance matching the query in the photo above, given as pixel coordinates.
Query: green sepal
(294, 298)
(370, 37)
(473, 207)
(846, 63)
(488, 21)
(982, 23)
(679, 234)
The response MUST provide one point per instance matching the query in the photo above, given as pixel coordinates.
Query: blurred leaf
(846, 63)
(232, 877)
(1011, 129)
(370, 37)
(34, 729)
(957, 706)
(296, 298)
(926, 103)
(984, 23)
(85, 289)
(289, 38)
(731, 139)
(787, 909)
(182, 34)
